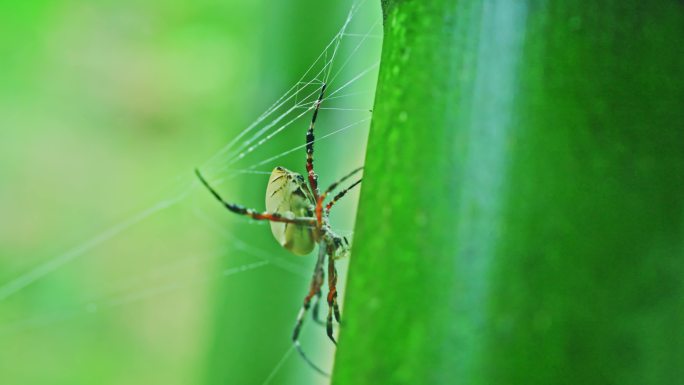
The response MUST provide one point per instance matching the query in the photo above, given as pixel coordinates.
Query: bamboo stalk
(521, 219)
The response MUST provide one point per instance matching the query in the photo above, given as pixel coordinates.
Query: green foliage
(521, 219)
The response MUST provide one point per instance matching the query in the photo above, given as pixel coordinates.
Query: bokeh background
(114, 267)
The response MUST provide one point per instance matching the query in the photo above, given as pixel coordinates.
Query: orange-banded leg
(238, 209)
(340, 195)
(333, 307)
(315, 314)
(321, 198)
(315, 289)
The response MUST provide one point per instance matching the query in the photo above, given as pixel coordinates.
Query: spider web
(246, 159)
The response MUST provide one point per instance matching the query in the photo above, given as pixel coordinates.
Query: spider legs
(333, 307)
(321, 198)
(340, 195)
(319, 275)
(315, 313)
(317, 298)
(325, 249)
(315, 290)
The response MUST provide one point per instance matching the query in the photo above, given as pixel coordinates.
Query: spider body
(288, 195)
(298, 216)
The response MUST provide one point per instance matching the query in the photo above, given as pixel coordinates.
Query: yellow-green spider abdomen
(288, 195)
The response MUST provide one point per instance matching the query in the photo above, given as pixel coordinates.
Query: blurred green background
(105, 109)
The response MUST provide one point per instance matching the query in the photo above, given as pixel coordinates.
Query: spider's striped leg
(315, 313)
(340, 195)
(317, 300)
(321, 198)
(332, 296)
(319, 275)
(273, 217)
(315, 288)
(310, 138)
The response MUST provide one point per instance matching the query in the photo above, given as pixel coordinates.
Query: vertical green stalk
(522, 214)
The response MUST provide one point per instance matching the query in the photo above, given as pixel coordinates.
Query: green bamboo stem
(522, 213)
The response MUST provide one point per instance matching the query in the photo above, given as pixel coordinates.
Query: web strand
(288, 94)
(238, 146)
(55, 263)
(108, 303)
(278, 366)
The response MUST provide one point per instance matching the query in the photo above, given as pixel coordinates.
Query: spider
(298, 216)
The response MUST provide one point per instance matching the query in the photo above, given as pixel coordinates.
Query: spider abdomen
(288, 195)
